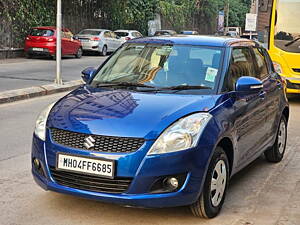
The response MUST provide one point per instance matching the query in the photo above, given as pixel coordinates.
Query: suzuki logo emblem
(89, 142)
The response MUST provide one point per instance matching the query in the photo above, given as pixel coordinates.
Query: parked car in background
(164, 122)
(189, 32)
(164, 32)
(127, 35)
(99, 40)
(41, 41)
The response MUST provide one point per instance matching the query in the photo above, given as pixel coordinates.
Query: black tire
(104, 51)
(204, 207)
(276, 152)
(54, 57)
(79, 53)
(28, 56)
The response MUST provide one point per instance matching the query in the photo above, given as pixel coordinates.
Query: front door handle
(262, 95)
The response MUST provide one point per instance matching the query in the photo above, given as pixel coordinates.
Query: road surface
(21, 73)
(261, 194)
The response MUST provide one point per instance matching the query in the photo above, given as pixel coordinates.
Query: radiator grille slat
(90, 182)
(101, 144)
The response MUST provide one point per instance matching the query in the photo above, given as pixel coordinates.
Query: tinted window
(241, 65)
(41, 32)
(90, 32)
(122, 34)
(261, 63)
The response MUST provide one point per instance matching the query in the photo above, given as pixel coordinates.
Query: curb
(31, 92)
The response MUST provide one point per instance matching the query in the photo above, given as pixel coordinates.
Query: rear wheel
(276, 152)
(104, 51)
(28, 55)
(212, 197)
(79, 53)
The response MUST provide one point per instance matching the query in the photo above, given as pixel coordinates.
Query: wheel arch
(286, 113)
(227, 146)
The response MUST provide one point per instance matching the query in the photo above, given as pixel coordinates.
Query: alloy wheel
(218, 183)
(281, 137)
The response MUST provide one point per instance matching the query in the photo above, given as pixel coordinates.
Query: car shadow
(235, 202)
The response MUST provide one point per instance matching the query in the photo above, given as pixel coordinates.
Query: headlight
(181, 135)
(277, 67)
(40, 124)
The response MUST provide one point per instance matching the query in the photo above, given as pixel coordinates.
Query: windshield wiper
(123, 84)
(292, 42)
(186, 87)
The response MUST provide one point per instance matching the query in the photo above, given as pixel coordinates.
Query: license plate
(85, 165)
(84, 40)
(38, 49)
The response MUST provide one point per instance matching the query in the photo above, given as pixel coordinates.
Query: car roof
(45, 27)
(96, 29)
(195, 40)
(125, 30)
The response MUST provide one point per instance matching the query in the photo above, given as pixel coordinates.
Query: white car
(128, 34)
(99, 40)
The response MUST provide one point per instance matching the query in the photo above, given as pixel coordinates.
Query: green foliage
(116, 14)
(237, 12)
(131, 14)
(24, 14)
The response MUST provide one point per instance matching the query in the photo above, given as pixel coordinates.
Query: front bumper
(292, 85)
(144, 170)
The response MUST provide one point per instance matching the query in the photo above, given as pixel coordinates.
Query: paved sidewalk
(22, 78)
(26, 93)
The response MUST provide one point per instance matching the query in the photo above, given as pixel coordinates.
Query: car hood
(124, 113)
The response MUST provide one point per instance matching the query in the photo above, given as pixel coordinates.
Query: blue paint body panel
(246, 120)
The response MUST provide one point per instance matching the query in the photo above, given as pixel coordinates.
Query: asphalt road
(21, 73)
(261, 194)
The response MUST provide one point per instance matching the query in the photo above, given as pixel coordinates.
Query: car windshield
(287, 31)
(122, 34)
(163, 66)
(90, 32)
(42, 32)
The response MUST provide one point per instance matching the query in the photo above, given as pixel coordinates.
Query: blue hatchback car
(164, 122)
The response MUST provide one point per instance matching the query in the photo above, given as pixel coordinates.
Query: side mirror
(248, 84)
(87, 74)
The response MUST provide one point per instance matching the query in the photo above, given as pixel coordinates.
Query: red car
(42, 41)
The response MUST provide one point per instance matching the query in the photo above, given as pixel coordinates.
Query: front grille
(90, 182)
(292, 85)
(297, 70)
(101, 144)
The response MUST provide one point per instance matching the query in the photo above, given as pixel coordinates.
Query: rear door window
(122, 34)
(107, 34)
(42, 32)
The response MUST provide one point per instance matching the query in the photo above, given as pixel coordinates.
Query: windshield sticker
(166, 66)
(211, 74)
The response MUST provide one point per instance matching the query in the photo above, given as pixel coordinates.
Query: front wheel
(104, 51)
(276, 152)
(79, 53)
(212, 197)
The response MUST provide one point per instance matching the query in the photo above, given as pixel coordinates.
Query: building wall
(264, 14)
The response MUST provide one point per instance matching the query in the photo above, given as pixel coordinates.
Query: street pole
(58, 79)
(227, 16)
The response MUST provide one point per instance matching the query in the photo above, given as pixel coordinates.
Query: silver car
(99, 40)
